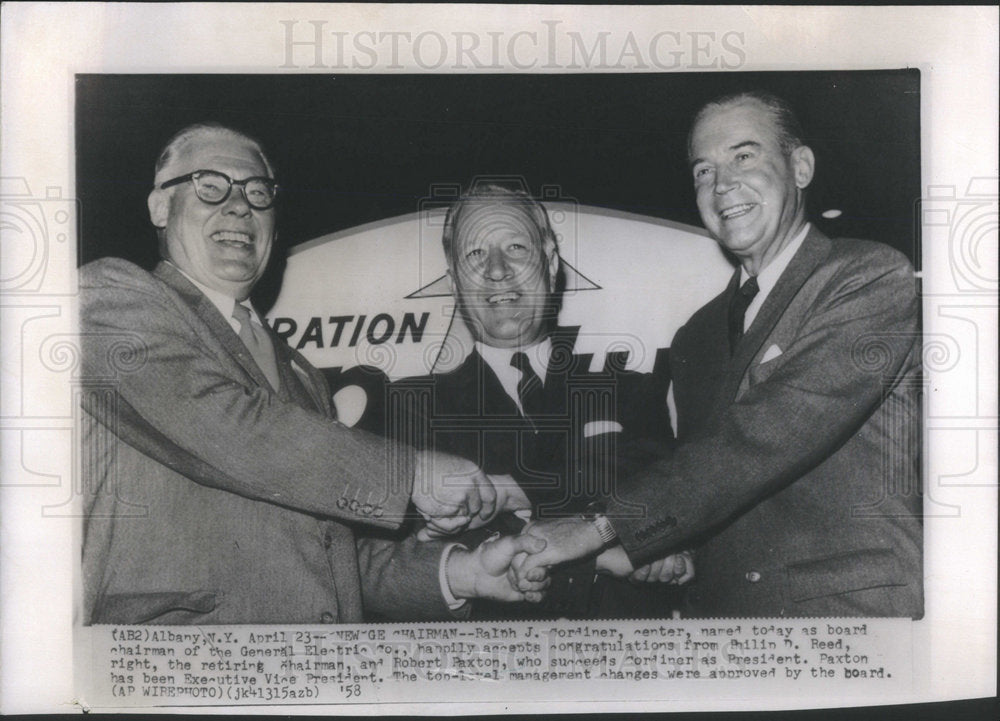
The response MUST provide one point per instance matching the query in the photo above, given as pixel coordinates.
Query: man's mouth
(509, 296)
(232, 238)
(736, 211)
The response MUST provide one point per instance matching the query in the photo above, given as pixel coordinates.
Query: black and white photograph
(779, 486)
(403, 362)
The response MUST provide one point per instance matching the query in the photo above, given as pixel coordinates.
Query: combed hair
(185, 134)
(790, 134)
(500, 194)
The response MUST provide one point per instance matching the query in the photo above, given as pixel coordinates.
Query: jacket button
(753, 576)
(326, 617)
(328, 539)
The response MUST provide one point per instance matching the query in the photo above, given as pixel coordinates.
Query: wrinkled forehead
(480, 220)
(225, 152)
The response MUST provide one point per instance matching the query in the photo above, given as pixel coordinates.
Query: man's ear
(158, 203)
(803, 164)
(552, 259)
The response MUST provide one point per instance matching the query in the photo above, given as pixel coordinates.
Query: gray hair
(186, 134)
(498, 194)
(790, 134)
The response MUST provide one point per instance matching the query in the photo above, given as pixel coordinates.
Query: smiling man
(221, 488)
(502, 263)
(750, 175)
(528, 410)
(221, 245)
(797, 394)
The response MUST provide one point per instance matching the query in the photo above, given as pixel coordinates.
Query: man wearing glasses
(221, 489)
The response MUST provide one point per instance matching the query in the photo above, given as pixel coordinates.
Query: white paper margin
(955, 48)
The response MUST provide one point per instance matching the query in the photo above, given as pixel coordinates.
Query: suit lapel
(308, 388)
(494, 400)
(562, 364)
(815, 248)
(219, 326)
(472, 389)
(700, 362)
(476, 389)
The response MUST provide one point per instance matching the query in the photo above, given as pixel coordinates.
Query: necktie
(258, 343)
(529, 388)
(738, 305)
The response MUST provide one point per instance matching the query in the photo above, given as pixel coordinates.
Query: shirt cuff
(453, 603)
(597, 428)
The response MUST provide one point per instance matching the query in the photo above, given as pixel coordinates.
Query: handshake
(454, 495)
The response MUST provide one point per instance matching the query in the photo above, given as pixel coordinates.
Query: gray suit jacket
(209, 498)
(798, 458)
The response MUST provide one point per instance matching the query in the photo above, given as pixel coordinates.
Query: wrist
(515, 499)
(458, 573)
(585, 538)
(594, 515)
(613, 561)
(452, 576)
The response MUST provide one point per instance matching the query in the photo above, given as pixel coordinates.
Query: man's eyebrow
(737, 146)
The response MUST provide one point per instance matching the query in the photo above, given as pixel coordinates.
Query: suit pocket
(163, 607)
(760, 370)
(844, 573)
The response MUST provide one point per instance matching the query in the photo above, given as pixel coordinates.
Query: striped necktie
(529, 388)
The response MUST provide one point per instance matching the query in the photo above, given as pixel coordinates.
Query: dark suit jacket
(468, 413)
(798, 458)
(209, 498)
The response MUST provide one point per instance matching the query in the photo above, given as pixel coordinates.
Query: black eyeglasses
(213, 187)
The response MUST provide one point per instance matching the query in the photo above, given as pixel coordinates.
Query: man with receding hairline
(222, 488)
(526, 407)
(797, 396)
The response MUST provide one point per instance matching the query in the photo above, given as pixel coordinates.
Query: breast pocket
(765, 363)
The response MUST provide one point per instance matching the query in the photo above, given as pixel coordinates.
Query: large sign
(377, 297)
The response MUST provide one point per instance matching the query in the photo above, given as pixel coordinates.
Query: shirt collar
(769, 275)
(220, 300)
(499, 358)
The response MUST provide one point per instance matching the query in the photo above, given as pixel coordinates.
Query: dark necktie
(529, 388)
(259, 345)
(738, 305)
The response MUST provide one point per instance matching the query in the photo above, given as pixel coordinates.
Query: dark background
(350, 149)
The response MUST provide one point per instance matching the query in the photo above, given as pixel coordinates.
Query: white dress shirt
(223, 302)
(498, 359)
(768, 276)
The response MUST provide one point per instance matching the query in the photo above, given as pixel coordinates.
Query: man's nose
(725, 180)
(236, 203)
(497, 267)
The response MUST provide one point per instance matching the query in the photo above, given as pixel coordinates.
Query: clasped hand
(568, 539)
(449, 492)
(675, 569)
(487, 571)
(508, 496)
